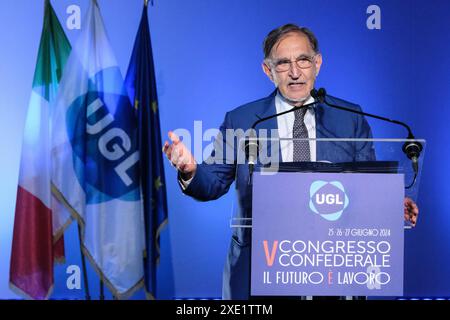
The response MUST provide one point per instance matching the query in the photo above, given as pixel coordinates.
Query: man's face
(294, 80)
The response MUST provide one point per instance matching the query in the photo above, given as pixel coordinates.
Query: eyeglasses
(302, 62)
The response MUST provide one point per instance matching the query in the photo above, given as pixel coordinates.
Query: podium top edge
(347, 139)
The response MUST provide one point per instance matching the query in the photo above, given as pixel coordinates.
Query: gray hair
(277, 34)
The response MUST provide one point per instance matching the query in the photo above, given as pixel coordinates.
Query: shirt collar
(285, 106)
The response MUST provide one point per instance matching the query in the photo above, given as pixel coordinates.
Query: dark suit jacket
(213, 180)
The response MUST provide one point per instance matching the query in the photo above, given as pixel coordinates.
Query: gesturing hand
(179, 156)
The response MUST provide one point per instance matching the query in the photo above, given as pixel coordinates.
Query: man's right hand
(180, 157)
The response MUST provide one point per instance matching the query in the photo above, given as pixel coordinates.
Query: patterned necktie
(301, 148)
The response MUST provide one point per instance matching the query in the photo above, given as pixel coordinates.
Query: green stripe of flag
(54, 51)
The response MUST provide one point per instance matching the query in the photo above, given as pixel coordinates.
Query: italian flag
(39, 218)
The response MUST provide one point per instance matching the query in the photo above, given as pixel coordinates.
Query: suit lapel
(327, 150)
(268, 109)
(320, 130)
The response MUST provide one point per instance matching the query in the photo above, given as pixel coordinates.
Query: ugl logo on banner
(327, 234)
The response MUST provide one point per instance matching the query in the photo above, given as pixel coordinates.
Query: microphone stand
(412, 149)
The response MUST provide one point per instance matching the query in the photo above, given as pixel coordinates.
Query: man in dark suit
(292, 61)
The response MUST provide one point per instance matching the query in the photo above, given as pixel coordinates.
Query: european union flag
(141, 85)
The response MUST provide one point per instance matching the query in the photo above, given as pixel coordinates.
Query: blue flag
(141, 85)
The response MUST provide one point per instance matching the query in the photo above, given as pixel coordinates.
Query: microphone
(251, 151)
(251, 144)
(411, 149)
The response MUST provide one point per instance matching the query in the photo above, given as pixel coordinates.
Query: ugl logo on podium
(327, 234)
(328, 199)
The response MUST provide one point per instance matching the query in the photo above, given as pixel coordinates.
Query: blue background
(207, 56)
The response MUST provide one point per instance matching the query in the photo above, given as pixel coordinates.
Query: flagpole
(102, 290)
(83, 264)
(102, 287)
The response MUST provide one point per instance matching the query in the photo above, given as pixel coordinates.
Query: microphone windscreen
(322, 92)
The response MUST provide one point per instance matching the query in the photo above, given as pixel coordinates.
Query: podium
(330, 228)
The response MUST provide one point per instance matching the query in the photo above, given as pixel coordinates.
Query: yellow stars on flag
(154, 106)
(158, 183)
